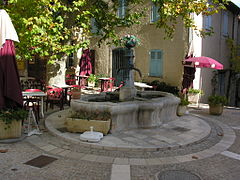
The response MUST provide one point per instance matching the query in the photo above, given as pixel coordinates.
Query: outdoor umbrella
(205, 62)
(10, 89)
(85, 63)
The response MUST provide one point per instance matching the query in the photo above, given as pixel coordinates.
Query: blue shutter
(154, 13)
(122, 8)
(93, 26)
(156, 63)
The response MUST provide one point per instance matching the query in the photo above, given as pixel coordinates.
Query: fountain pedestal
(127, 93)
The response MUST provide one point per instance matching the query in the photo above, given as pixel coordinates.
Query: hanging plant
(130, 41)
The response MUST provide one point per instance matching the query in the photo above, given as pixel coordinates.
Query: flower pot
(193, 98)
(181, 110)
(215, 109)
(82, 125)
(76, 94)
(10, 131)
(91, 84)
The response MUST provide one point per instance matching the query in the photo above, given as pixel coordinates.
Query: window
(94, 28)
(122, 8)
(225, 23)
(208, 22)
(156, 63)
(154, 13)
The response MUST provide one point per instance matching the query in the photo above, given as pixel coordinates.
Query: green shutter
(156, 63)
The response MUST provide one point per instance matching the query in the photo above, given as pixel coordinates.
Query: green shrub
(92, 115)
(162, 86)
(195, 91)
(216, 99)
(8, 115)
(184, 102)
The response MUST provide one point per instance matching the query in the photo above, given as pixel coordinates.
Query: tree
(52, 29)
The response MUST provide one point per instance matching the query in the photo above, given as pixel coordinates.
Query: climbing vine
(234, 55)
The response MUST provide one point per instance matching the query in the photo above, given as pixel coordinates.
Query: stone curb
(57, 133)
(226, 141)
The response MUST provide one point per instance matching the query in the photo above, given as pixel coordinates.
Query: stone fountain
(130, 108)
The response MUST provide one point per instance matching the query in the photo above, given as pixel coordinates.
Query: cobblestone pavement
(216, 157)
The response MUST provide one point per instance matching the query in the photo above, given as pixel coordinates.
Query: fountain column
(128, 91)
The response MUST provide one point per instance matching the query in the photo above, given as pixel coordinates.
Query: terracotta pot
(181, 110)
(76, 94)
(10, 131)
(216, 109)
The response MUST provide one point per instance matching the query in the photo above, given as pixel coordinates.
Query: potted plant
(216, 103)
(182, 106)
(92, 80)
(130, 41)
(194, 95)
(76, 92)
(81, 121)
(11, 122)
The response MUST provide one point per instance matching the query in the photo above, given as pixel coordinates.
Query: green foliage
(92, 115)
(234, 58)
(51, 29)
(183, 99)
(195, 91)
(216, 99)
(184, 102)
(171, 11)
(162, 86)
(9, 115)
(92, 78)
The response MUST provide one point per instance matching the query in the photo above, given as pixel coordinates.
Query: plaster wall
(150, 38)
(214, 46)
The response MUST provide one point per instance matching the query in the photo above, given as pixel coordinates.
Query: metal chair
(55, 96)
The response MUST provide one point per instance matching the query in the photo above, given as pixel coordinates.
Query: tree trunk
(56, 72)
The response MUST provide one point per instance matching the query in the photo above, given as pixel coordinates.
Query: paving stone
(120, 172)
(48, 147)
(64, 153)
(89, 157)
(121, 161)
(104, 159)
(56, 150)
(135, 161)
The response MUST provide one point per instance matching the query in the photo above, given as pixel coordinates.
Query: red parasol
(204, 61)
(85, 63)
(10, 89)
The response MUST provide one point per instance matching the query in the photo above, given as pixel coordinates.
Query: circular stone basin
(149, 109)
(177, 175)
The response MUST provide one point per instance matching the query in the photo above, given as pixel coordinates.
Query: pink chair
(33, 90)
(71, 79)
(55, 96)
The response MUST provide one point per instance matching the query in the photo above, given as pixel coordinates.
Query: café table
(82, 80)
(142, 85)
(36, 94)
(104, 84)
(66, 88)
